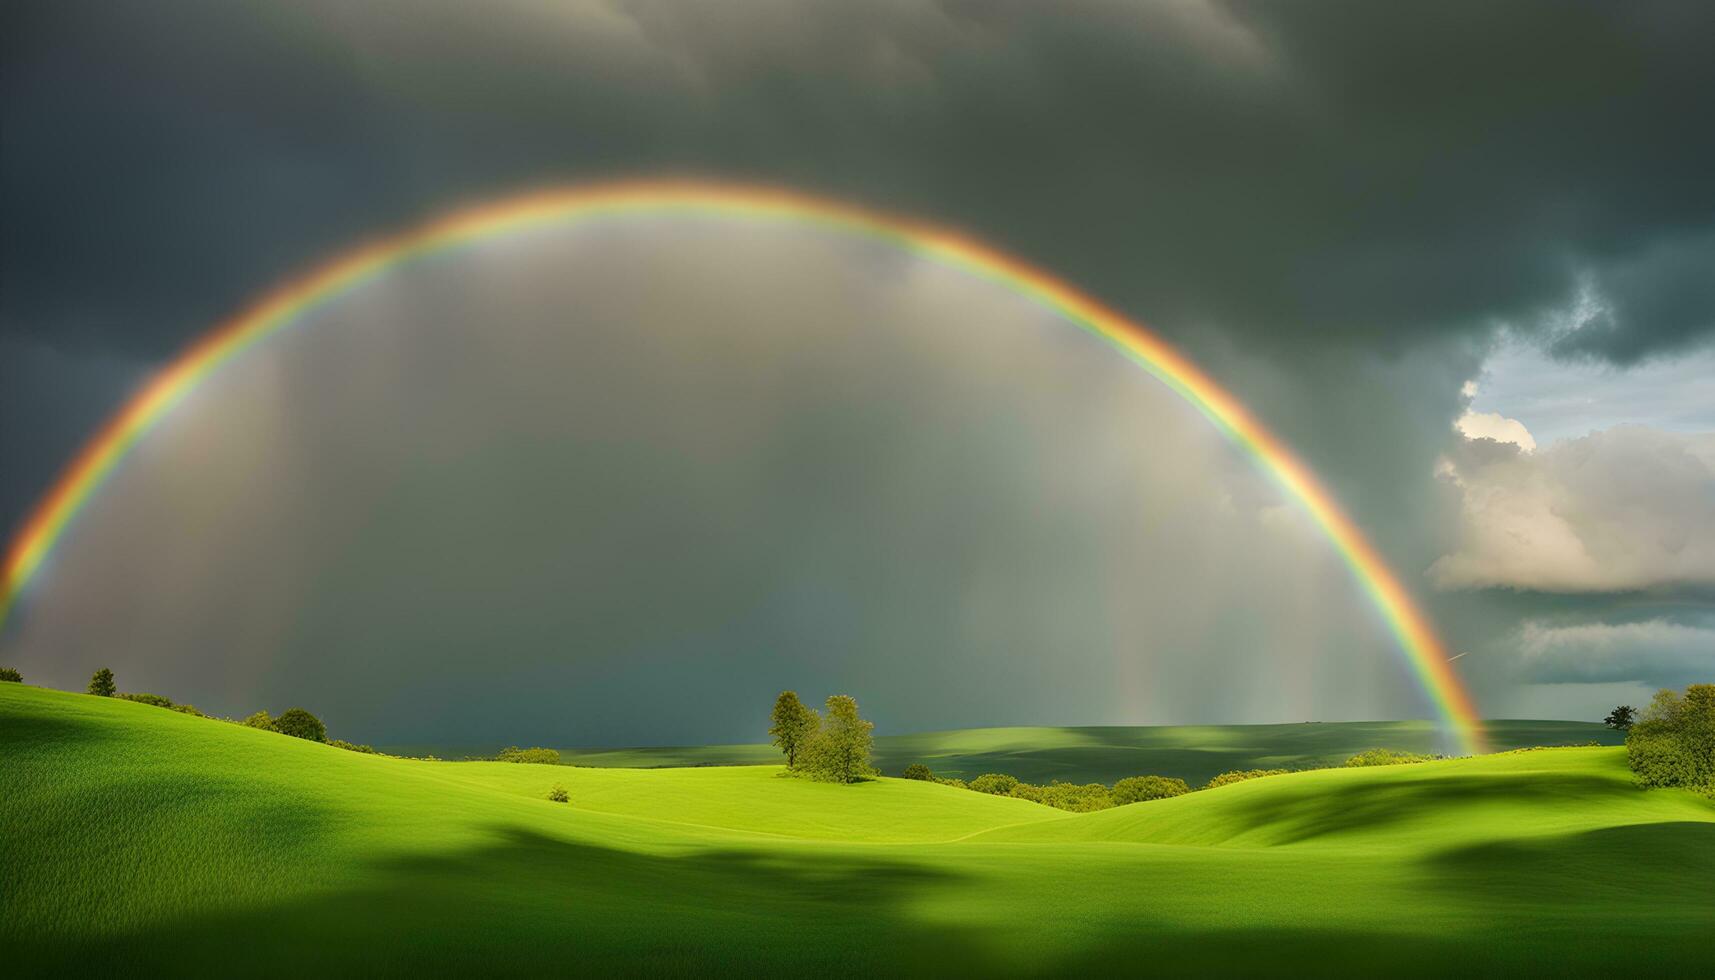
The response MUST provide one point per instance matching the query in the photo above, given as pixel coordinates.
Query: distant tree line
(1087, 797)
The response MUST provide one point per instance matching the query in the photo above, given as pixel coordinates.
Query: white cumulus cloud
(1629, 508)
(1494, 425)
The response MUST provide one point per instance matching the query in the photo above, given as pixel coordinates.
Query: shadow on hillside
(531, 903)
(1667, 868)
(1340, 808)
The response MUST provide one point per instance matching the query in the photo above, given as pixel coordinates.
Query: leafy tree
(1620, 719)
(1136, 789)
(839, 752)
(11, 674)
(299, 723)
(793, 726)
(918, 770)
(1673, 744)
(101, 685)
(260, 719)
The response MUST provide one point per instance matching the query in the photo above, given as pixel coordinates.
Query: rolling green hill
(140, 840)
(1103, 754)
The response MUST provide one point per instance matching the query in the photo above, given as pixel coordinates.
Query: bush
(260, 719)
(101, 684)
(559, 795)
(994, 783)
(1387, 757)
(918, 770)
(188, 709)
(1076, 797)
(952, 781)
(1673, 744)
(142, 698)
(340, 743)
(1137, 789)
(299, 723)
(538, 756)
(11, 674)
(1239, 776)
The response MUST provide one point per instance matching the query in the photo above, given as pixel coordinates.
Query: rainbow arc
(1417, 640)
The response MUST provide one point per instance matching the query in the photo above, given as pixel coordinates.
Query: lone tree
(101, 685)
(839, 753)
(299, 723)
(1620, 719)
(11, 674)
(793, 726)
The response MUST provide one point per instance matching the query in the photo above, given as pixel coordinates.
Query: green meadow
(1103, 754)
(139, 839)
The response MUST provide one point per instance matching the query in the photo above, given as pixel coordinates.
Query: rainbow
(1423, 650)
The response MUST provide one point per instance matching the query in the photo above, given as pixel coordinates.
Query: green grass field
(138, 839)
(1103, 754)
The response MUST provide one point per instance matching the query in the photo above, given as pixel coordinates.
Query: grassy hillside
(141, 839)
(1104, 754)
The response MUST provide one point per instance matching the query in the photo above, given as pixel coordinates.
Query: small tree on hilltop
(839, 752)
(918, 770)
(1620, 719)
(101, 685)
(793, 726)
(299, 723)
(11, 674)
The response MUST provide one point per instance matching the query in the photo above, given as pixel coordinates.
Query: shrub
(299, 723)
(1076, 797)
(1137, 789)
(11, 674)
(101, 684)
(260, 719)
(1239, 776)
(188, 709)
(142, 698)
(1673, 744)
(952, 781)
(340, 743)
(559, 795)
(538, 756)
(918, 770)
(1386, 757)
(995, 783)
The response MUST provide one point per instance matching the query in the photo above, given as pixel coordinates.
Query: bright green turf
(140, 840)
(1104, 754)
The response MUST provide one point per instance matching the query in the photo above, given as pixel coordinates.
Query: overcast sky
(620, 484)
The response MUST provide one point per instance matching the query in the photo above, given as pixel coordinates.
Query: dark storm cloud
(1332, 205)
(1290, 171)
